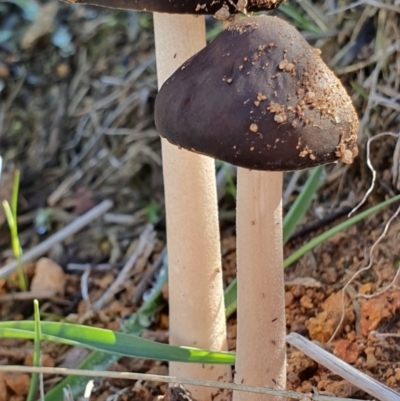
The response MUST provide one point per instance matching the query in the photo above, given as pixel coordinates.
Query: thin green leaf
(11, 225)
(231, 298)
(212, 33)
(231, 291)
(97, 360)
(301, 204)
(16, 246)
(298, 20)
(14, 196)
(230, 185)
(359, 90)
(11, 216)
(316, 15)
(36, 353)
(112, 342)
(337, 229)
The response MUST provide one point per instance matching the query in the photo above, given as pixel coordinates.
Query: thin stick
(341, 368)
(27, 295)
(58, 237)
(146, 241)
(144, 282)
(173, 380)
(385, 335)
(85, 285)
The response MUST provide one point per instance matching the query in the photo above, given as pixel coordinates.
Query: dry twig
(172, 379)
(46, 245)
(145, 246)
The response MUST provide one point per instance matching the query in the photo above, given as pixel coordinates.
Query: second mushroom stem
(196, 299)
(261, 349)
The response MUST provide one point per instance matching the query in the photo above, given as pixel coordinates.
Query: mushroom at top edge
(220, 9)
(259, 96)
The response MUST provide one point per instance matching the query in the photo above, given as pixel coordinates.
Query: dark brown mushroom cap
(259, 96)
(221, 9)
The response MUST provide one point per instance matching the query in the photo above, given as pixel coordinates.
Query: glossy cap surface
(259, 96)
(221, 9)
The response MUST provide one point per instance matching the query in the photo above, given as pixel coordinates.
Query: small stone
(62, 70)
(279, 119)
(253, 128)
(340, 388)
(18, 383)
(378, 309)
(367, 288)
(306, 302)
(347, 351)
(289, 298)
(391, 382)
(371, 361)
(293, 378)
(223, 13)
(48, 276)
(322, 326)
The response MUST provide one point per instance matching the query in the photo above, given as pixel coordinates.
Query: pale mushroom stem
(196, 299)
(260, 349)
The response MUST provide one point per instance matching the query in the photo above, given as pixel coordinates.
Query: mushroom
(196, 306)
(260, 97)
(194, 7)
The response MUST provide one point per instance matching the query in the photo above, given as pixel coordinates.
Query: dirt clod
(322, 327)
(346, 350)
(48, 276)
(379, 309)
(18, 383)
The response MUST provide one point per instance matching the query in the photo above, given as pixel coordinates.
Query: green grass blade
(212, 33)
(12, 226)
(11, 217)
(14, 196)
(231, 298)
(16, 246)
(298, 20)
(113, 342)
(231, 291)
(359, 89)
(302, 203)
(97, 360)
(230, 185)
(337, 229)
(36, 353)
